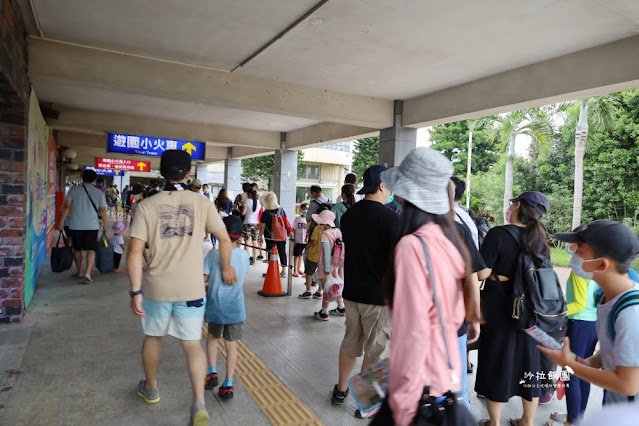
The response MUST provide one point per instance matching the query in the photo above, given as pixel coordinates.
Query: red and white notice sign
(119, 164)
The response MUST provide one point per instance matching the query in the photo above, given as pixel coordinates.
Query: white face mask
(576, 263)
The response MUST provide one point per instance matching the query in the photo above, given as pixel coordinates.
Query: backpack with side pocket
(278, 226)
(537, 295)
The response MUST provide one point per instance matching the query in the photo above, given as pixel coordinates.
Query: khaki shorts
(368, 331)
(230, 332)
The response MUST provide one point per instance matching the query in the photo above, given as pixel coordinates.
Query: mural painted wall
(37, 197)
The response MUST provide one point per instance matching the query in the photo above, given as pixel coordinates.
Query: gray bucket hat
(422, 179)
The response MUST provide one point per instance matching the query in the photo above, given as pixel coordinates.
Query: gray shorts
(230, 332)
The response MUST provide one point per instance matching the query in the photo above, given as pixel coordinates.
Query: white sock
(340, 305)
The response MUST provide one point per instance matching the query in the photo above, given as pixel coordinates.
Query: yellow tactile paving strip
(277, 401)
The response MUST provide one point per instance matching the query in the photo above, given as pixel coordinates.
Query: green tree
(452, 140)
(365, 155)
(599, 113)
(534, 123)
(263, 168)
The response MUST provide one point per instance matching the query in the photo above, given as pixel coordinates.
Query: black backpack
(322, 206)
(537, 295)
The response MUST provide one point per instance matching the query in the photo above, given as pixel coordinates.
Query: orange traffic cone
(272, 283)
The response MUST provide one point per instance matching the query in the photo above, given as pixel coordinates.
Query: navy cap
(536, 200)
(372, 178)
(234, 227)
(607, 237)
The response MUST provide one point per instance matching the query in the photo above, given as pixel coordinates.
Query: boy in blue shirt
(225, 311)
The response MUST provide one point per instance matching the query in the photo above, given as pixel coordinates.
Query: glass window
(310, 171)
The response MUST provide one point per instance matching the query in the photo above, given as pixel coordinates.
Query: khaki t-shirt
(173, 222)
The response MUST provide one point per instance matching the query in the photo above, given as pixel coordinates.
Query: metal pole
(291, 266)
(470, 152)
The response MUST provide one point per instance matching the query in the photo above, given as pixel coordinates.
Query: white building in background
(325, 166)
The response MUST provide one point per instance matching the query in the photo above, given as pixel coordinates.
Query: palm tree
(599, 113)
(535, 123)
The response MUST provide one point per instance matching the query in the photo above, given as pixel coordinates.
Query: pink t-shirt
(418, 355)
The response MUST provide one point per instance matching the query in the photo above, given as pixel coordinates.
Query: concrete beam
(239, 153)
(326, 133)
(168, 80)
(102, 121)
(608, 68)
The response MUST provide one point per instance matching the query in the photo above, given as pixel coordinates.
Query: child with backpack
(225, 310)
(603, 251)
(330, 264)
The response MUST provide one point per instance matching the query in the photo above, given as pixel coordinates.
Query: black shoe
(338, 396)
(251, 261)
(470, 368)
(260, 257)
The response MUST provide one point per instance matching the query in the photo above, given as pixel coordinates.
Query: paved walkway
(75, 360)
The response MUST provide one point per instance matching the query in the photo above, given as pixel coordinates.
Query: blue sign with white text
(102, 172)
(152, 147)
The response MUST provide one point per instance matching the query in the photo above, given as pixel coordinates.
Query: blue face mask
(577, 265)
(390, 198)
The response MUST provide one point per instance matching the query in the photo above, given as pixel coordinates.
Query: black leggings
(116, 260)
(281, 249)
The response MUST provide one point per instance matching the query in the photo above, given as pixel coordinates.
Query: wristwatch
(135, 293)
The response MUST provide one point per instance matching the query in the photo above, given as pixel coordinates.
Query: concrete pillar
(202, 172)
(397, 141)
(125, 180)
(286, 178)
(232, 175)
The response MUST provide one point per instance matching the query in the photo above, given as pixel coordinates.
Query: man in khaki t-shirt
(172, 222)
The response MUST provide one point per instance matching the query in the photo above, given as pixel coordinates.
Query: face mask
(576, 263)
(390, 198)
(508, 214)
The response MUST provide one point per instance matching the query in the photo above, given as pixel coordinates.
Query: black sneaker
(260, 257)
(338, 311)
(251, 261)
(338, 396)
(320, 316)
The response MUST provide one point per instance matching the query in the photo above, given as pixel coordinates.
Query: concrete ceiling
(332, 75)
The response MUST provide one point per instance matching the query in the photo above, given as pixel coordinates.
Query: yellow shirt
(313, 250)
(173, 223)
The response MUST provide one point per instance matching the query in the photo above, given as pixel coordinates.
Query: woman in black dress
(508, 359)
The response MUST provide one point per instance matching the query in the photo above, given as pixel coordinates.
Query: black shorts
(84, 240)
(298, 250)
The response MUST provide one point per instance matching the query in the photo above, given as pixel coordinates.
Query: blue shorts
(182, 320)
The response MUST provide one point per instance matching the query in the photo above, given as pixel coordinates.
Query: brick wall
(14, 98)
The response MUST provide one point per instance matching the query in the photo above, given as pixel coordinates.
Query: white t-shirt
(223, 214)
(251, 216)
(116, 241)
(299, 226)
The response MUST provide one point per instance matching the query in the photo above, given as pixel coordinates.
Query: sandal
(306, 295)
(318, 295)
(561, 418)
(483, 422)
(338, 396)
(514, 422)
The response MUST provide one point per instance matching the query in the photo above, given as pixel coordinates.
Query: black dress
(508, 359)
